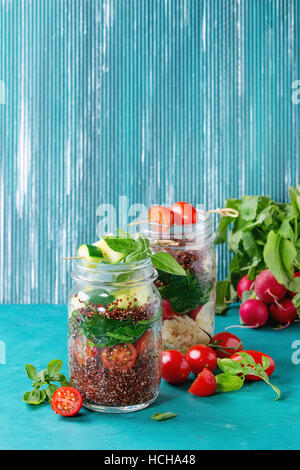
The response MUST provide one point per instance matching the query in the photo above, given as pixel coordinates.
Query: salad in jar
(188, 301)
(114, 323)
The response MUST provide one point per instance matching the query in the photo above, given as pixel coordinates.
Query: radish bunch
(269, 299)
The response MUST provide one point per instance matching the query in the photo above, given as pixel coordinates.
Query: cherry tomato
(184, 213)
(257, 356)
(146, 344)
(78, 350)
(204, 385)
(175, 368)
(120, 356)
(66, 401)
(91, 351)
(200, 357)
(168, 312)
(227, 340)
(162, 216)
(193, 313)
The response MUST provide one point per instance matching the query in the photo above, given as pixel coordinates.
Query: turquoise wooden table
(247, 419)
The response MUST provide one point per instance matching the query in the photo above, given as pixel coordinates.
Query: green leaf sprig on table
(234, 373)
(163, 416)
(266, 235)
(42, 385)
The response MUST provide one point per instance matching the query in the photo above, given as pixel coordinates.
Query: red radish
(292, 294)
(168, 312)
(244, 285)
(284, 311)
(193, 313)
(267, 289)
(254, 313)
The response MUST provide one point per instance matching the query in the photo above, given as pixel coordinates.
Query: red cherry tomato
(162, 216)
(193, 313)
(146, 344)
(167, 311)
(120, 356)
(184, 213)
(200, 357)
(175, 368)
(227, 340)
(91, 351)
(257, 356)
(204, 385)
(66, 401)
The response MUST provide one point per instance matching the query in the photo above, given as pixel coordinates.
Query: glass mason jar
(114, 335)
(188, 301)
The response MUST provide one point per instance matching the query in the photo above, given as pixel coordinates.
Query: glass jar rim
(203, 229)
(102, 273)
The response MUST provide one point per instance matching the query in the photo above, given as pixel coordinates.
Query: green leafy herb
(45, 377)
(163, 416)
(239, 369)
(104, 332)
(195, 293)
(165, 262)
(264, 236)
(228, 383)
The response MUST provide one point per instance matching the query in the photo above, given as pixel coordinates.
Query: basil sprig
(44, 378)
(235, 371)
(104, 332)
(137, 248)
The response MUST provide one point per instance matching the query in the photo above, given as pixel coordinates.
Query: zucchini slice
(109, 255)
(91, 253)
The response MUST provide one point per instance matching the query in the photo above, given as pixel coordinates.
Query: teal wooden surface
(246, 419)
(155, 100)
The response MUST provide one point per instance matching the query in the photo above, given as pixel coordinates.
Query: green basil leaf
(163, 416)
(265, 362)
(54, 366)
(50, 390)
(31, 371)
(230, 366)
(228, 383)
(34, 397)
(165, 262)
(121, 245)
(63, 381)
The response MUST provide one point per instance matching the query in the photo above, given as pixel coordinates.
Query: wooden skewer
(223, 212)
(73, 257)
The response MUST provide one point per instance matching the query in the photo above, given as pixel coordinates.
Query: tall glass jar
(188, 301)
(114, 335)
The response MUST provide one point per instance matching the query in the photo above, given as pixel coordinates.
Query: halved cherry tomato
(226, 340)
(162, 216)
(120, 356)
(175, 368)
(146, 344)
(66, 401)
(78, 350)
(184, 213)
(193, 313)
(204, 385)
(91, 351)
(257, 356)
(167, 311)
(200, 357)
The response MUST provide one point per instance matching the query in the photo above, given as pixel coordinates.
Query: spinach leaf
(104, 332)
